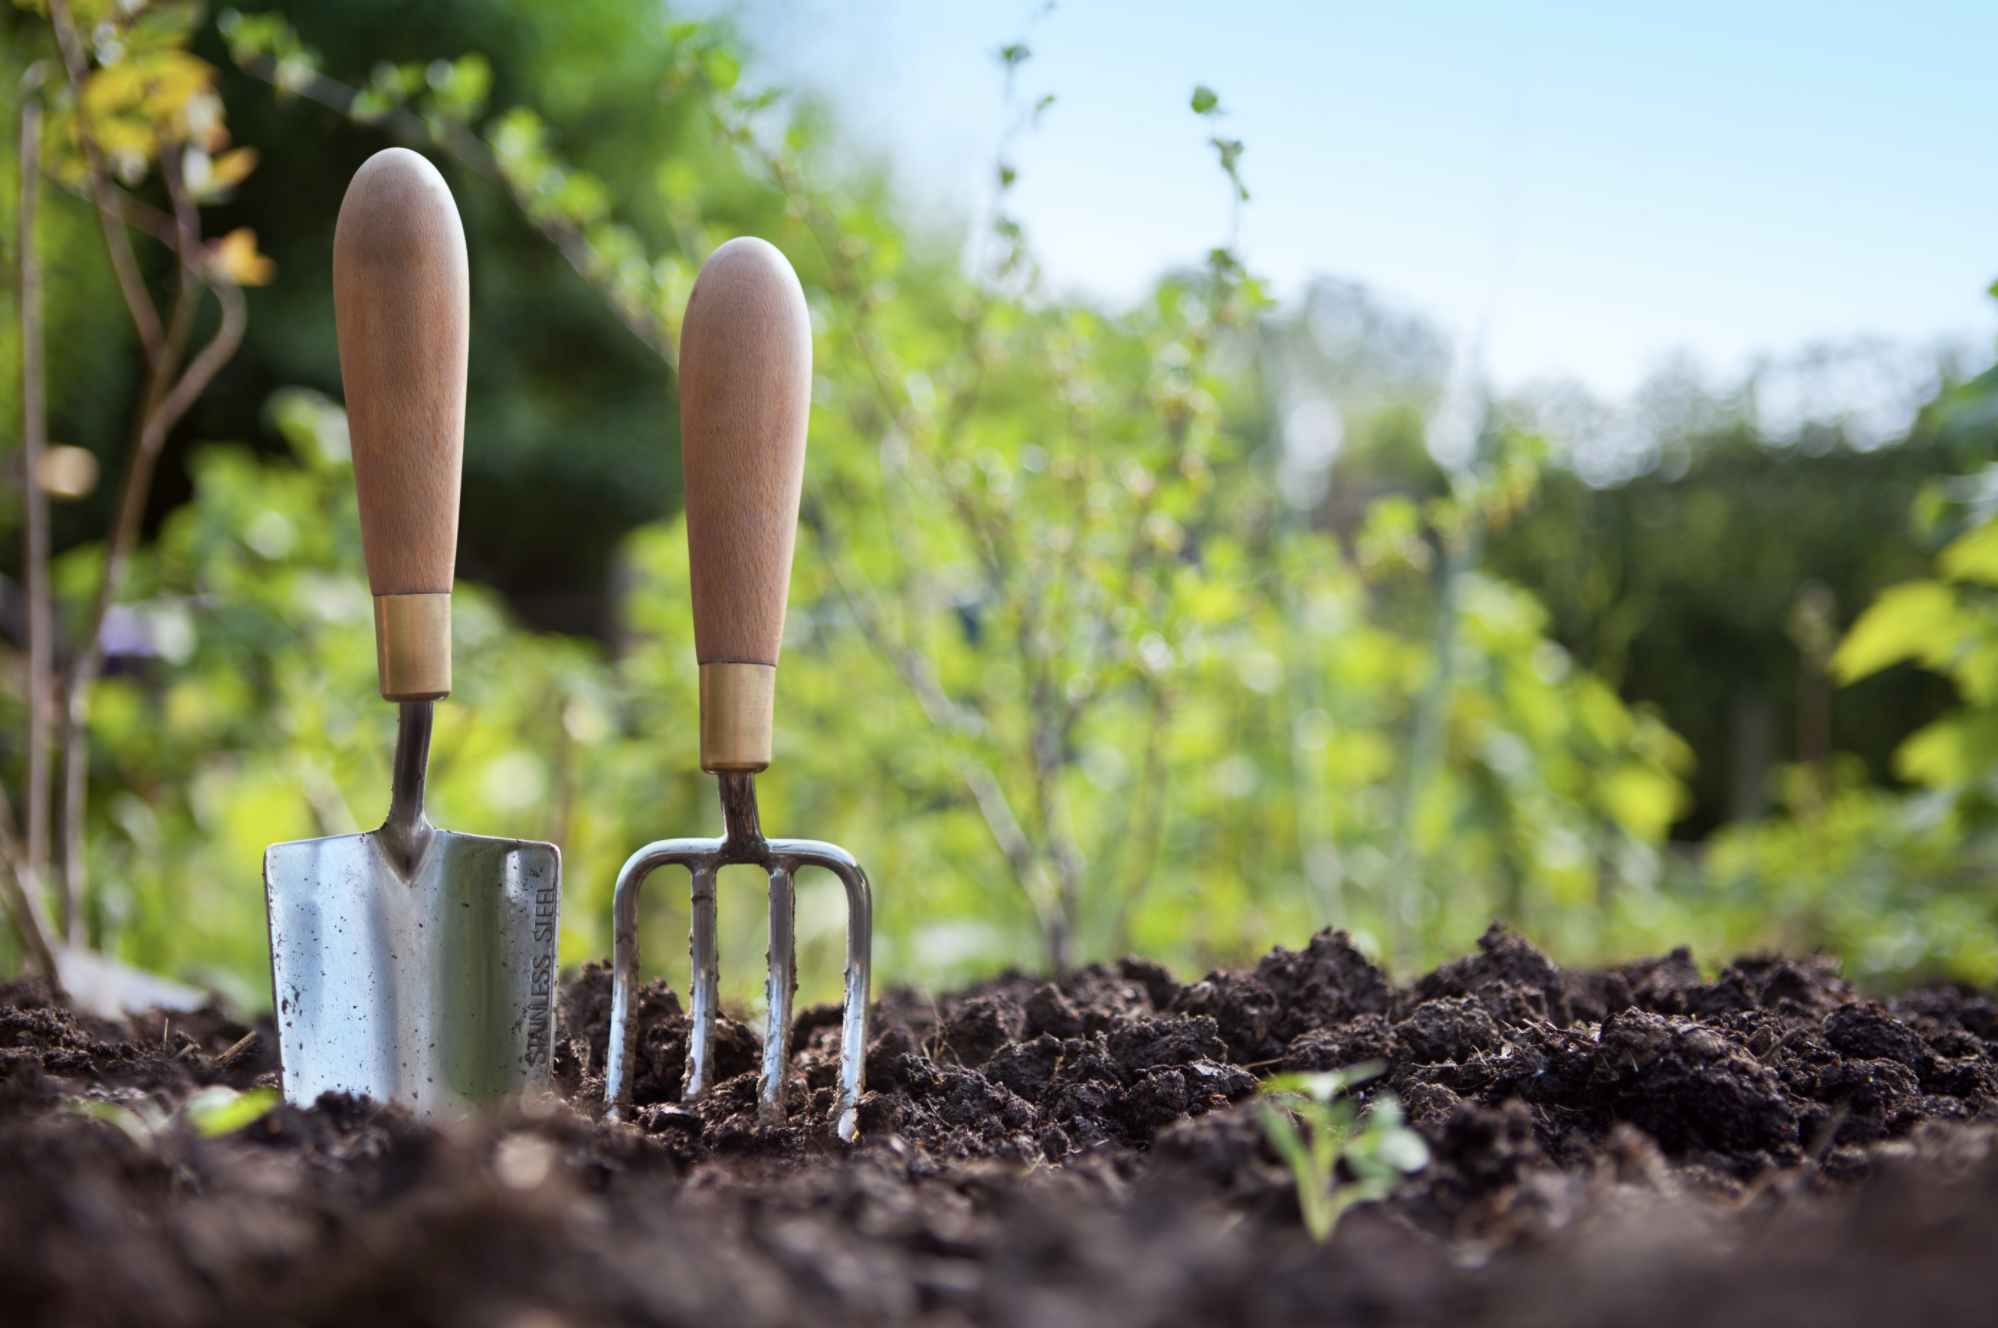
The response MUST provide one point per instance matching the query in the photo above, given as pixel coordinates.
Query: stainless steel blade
(435, 991)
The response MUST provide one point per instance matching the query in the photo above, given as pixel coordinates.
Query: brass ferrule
(413, 646)
(738, 707)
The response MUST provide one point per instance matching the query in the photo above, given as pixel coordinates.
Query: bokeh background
(1269, 469)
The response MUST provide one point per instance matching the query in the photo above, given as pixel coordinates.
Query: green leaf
(462, 86)
(1644, 801)
(1323, 1087)
(1914, 620)
(1954, 750)
(1403, 1149)
(721, 69)
(1973, 557)
(1205, 100)
(219, 1110)
(138, 1126)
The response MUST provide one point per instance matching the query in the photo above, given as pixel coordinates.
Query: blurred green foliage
(1678, 589)
(1070, 667)
(1898, 883)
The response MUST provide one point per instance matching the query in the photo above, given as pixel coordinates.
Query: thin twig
(22, 881)
(34, 440)
(20, 890)
(152, 338)
(89, 660)
(1150, 819)
(1429, 739)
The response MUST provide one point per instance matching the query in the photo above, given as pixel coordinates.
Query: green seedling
(141, 1119)
(1378, 1149)
(219, 1110)
(209, 1113)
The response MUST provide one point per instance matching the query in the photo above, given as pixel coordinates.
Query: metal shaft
(407, 831)
(742, 824)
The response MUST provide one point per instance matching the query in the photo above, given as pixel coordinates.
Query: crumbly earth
(1632, 1147)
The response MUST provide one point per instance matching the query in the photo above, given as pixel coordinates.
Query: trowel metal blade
(436, 992)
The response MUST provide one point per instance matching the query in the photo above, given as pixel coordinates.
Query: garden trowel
(412, 965)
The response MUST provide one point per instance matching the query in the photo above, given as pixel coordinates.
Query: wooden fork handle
(745, 395)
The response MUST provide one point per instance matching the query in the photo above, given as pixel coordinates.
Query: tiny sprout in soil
(1378, 1149)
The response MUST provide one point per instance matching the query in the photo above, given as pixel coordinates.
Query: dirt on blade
(1636, 1146)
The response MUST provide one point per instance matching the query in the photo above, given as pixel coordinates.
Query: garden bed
(1632, 1147)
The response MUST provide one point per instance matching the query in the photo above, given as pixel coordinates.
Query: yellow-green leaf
(1643, 801)
(1973, 557)
(236, 253)
(231, 167)
(219, 1110)
(1914, 620)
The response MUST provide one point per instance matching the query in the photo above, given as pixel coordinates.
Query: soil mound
(1633, 1146)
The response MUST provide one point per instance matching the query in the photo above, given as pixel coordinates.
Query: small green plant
(1378, 1149)
(220, 1110)
(140, 1119)
(211, 1112)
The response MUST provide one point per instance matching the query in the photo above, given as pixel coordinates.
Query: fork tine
(780, 986)
(695, 855)
(798, 853)
(859, 983)
(704, 989)
(624, 983)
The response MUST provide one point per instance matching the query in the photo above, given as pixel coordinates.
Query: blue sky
(1592, 188)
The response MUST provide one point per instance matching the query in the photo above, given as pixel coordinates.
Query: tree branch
(145, 318)
(164, 407)
(34, 440)
(1150, 819)
(136, 487)
(19, 887)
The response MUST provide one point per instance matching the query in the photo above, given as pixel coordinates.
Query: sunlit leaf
(721, 69)
(232, 167)
(1644, 801)
(218, 1110)
(1973, 557)
(236, 254)
(1914, 620)
(1950, 751)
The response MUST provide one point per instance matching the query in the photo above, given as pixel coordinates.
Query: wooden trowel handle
(745, 395)
(401, 301)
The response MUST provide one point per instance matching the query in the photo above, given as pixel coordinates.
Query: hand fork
(745, 395)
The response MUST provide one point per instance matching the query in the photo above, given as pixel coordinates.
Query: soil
(1637, 1146)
